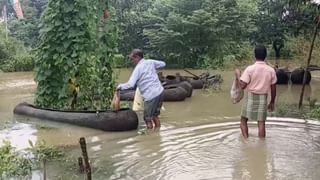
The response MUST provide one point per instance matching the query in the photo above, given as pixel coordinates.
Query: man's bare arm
(273, 97)
(273, 93)
(242, 84)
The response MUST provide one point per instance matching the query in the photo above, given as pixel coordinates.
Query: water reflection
(291, 94)
(253, 160)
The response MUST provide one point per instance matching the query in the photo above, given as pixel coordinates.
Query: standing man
(257, 79)
(146, 78)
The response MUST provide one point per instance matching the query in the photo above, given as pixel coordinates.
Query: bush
(19, 62)
(297, 48)
(14, 56)
(315, 113)
(120, 61)
(12, 164)
(290, 110)
(19, 165)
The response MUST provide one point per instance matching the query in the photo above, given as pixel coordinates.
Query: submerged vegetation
(311, 111)
(12, 163)
(15, 163)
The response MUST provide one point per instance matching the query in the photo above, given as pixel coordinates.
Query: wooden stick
(44, 169)
(80, 163)
(313, 68)
(308, 62)
(191, 73)
(85, 157)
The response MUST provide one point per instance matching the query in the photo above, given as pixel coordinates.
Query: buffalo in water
(296, 76)
(282, 76)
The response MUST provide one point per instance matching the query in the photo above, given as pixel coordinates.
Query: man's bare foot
(149, 125)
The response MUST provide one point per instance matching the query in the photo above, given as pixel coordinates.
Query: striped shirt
(145, 77)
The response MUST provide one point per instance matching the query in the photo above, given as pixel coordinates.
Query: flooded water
(199, 138)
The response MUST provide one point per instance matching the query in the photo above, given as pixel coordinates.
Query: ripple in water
(217, 151)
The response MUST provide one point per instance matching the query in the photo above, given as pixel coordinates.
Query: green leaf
(30, 143)
(68, 7)
(58, 23)
(66, 44)
(48, 72)
(74, 54)
(69, 62)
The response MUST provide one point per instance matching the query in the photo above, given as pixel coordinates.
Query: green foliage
(283, 18)
(76, 49)
(314, 109)
(120, 61)
(290, 110)
(107, 48)
(13, 164)
(126, 104)
(184, 33)
(14, 56)
(210, 34)
(200, 33)
(131, 21)
(297, 48)
(26, 30)
(315, 113)
(40, 150)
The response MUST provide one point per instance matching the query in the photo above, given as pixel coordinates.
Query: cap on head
(260, 52)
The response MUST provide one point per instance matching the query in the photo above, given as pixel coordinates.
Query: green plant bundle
(74, 59)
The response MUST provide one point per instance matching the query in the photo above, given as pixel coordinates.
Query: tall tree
(27, 29)
(131, 22)
(190, 33)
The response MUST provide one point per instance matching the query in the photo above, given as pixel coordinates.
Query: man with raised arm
(145, 77)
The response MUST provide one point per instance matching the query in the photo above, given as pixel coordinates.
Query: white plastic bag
(236, 92)
(138, 101)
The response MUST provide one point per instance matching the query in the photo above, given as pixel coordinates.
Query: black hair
(260, 52)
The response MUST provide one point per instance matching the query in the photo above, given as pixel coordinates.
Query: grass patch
(13, 164)
(44, 127)
(310, 111)
(16, 164)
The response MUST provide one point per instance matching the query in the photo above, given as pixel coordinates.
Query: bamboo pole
(191, 73)
(308, 61)
(85, 157)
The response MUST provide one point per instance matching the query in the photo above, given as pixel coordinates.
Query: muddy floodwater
(199, 138)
